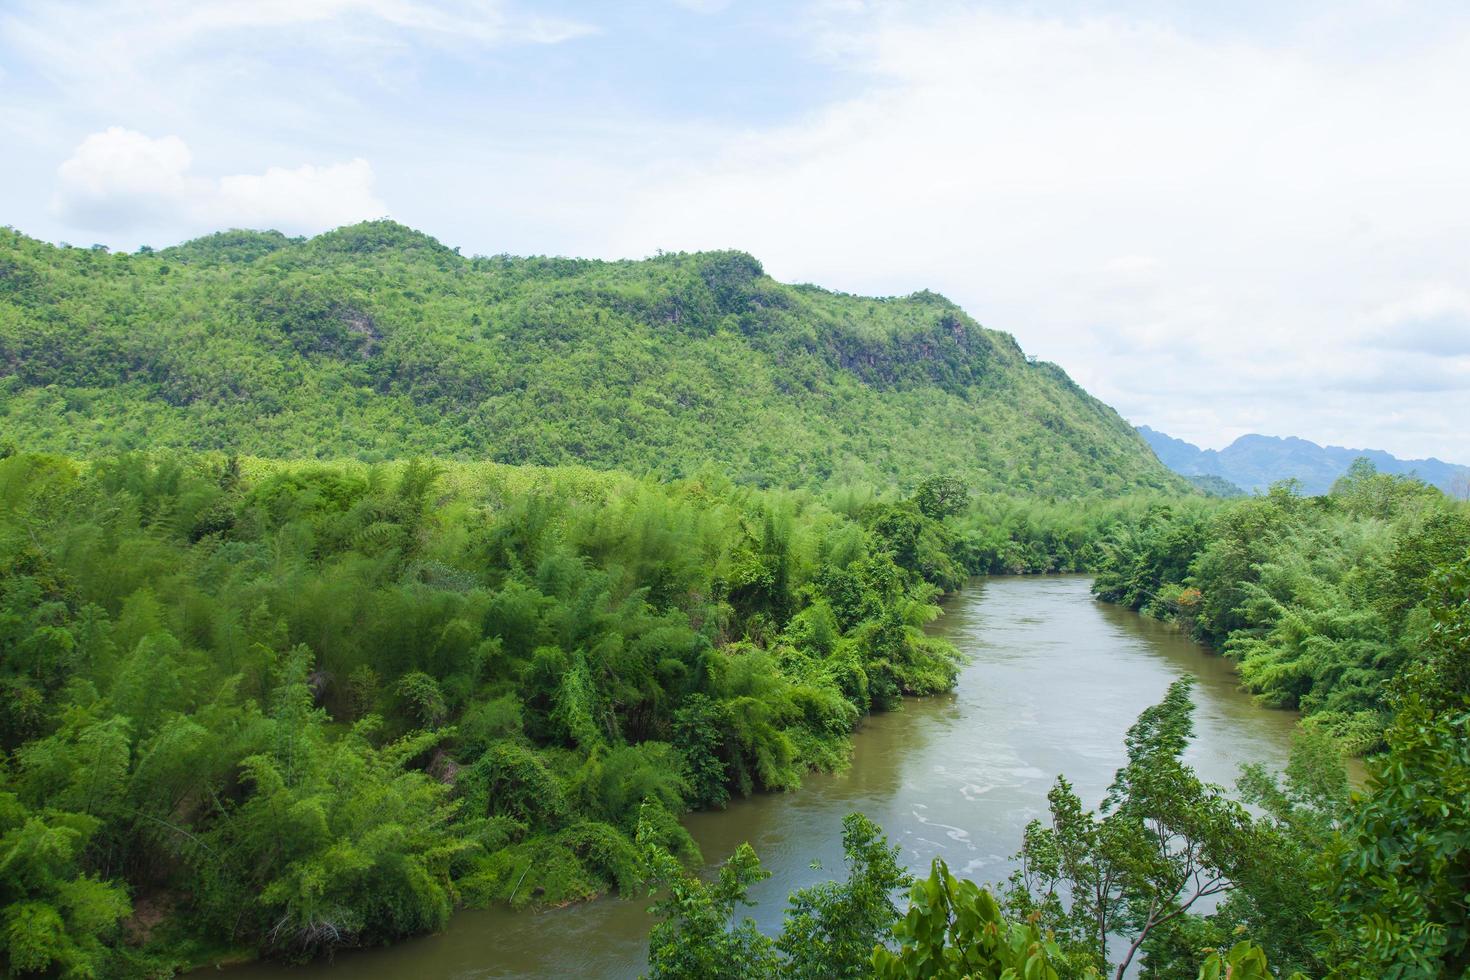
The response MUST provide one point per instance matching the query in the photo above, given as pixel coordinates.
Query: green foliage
(1215, 486)
(511, 780)
(1143, 558)
(1136, 870)
(694, 937)
(423, 701)
(700, 727)
(1010, 535)
(578, 862)
(942, 496)
(1356, 605)
(954, 928)
(1444, 680)
(336, 841)
(300, 705)
(1320, 600)
(1403, 875)
(831, 929)
(55, 918)
(1275, 898)
(1394, 902)
(310, 705)
(1242, 961)
(376, 342)
(1161, 842)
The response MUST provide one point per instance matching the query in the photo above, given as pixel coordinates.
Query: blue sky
(1219, 218)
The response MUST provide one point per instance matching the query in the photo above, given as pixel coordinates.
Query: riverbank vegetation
(286, 707)
(1355, 608)
(266, 707)
(1179, 877)
(1321, 601)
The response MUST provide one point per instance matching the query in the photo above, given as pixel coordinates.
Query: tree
(195, 653)
(54, 918)
(942, 496)
(1399, 873)
(337, 842)
(954, 928)
(1243, 961)
(1160, 843)
(695, 938)
(831, 929)
(699, 731)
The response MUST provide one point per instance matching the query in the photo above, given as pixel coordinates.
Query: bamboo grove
(255, 707)
(284, 708)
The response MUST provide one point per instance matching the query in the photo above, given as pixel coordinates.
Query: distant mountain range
(1254, 462)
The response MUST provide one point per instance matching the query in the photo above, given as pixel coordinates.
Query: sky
(1218, 218)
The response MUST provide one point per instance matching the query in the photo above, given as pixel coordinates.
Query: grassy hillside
(375, 341)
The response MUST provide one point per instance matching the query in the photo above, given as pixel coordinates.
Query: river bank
(1054, 680)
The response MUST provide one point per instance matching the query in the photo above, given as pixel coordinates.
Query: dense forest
(279, 708)
(1320, 600)
(291, 706)
(376, 342)
(348, 581)
(1354, 606)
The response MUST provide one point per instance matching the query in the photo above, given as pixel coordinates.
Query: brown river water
(1055, 678)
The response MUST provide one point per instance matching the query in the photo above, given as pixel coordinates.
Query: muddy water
(1054, 681)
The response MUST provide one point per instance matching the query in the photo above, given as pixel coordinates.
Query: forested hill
(375, 341)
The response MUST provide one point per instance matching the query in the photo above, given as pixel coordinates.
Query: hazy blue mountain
(1254, 462)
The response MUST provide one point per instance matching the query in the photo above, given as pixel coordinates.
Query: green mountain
(375, 341)
(1215, 486)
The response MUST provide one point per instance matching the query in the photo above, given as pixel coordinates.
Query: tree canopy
(376, 342)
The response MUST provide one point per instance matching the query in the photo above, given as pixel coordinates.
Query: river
(1054, 680)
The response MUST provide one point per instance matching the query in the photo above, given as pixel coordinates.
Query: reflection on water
(1054, 681)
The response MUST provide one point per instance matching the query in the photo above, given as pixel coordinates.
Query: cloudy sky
(1220, 218)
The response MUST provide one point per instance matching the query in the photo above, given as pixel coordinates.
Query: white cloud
(1433, 320)
(480, 22)
(119, 178)
(1217, 219)
(704, 6)
(307, 197)
(134, 30)
(121, 181)
(1173, 217)
(164, 57)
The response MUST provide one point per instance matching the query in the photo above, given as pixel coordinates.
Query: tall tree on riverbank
(830, 929)
(1162, 842)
